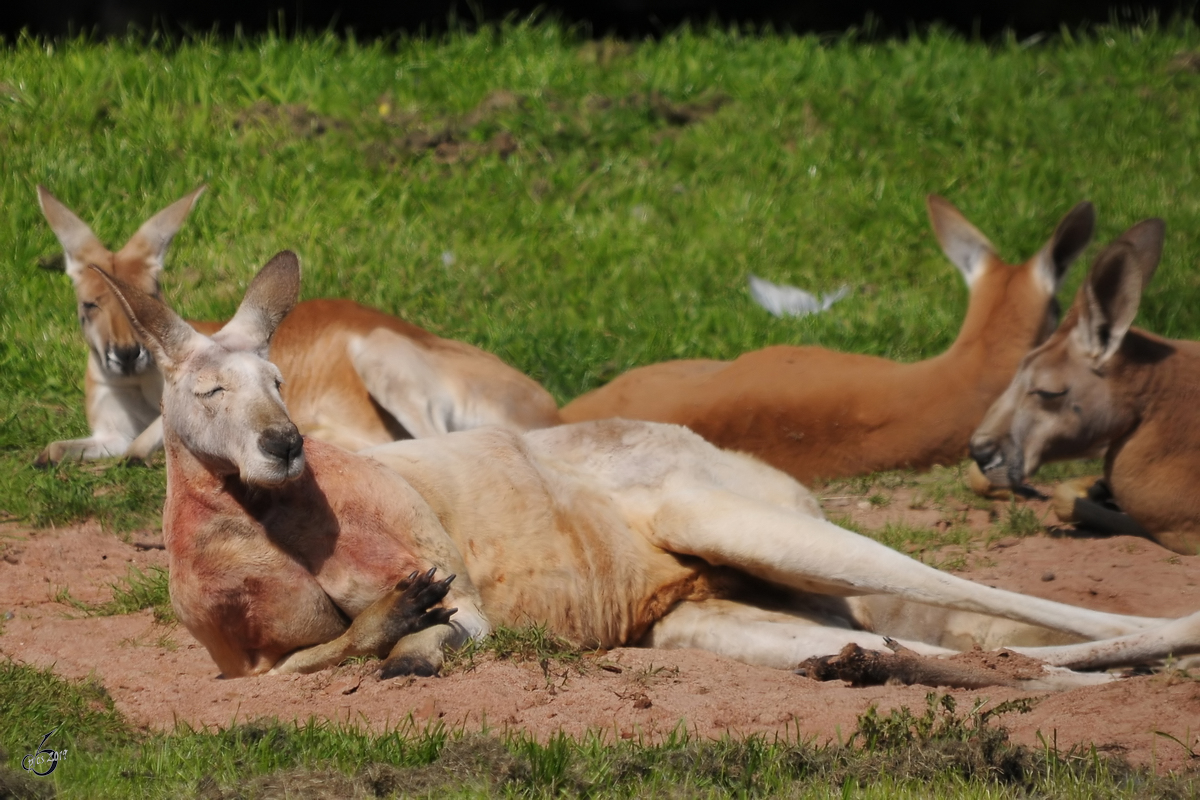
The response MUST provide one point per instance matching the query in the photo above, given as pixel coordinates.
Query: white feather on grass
(789, 301)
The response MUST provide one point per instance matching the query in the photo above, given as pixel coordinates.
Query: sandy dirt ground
(160, 676)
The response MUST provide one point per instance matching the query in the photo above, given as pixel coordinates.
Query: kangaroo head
(1060, 404)
(108, 333)
(1012, 303)
(221, 396)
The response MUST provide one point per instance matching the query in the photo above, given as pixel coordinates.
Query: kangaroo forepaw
(411, 607)
(422, 590)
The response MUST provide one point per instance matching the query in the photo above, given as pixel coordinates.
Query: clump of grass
(136, 591)
(911, 539)
(1020, 520)
(533, 643)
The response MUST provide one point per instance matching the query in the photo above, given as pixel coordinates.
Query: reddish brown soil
(158, 677)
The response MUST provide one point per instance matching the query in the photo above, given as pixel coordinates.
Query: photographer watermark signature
(45, 760)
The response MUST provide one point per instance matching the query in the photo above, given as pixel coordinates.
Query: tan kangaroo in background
(1097, 382)
(354, 376)
(815, 413)
(285, 552)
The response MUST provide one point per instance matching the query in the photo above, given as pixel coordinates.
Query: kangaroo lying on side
(609, 533)
(355, 376)
(816, 413)
(1098, 382)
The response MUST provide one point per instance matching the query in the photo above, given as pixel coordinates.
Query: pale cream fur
(608, 533)
(354, 376)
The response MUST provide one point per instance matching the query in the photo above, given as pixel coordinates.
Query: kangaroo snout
(283, 443)
(129, 360)
(986, 452)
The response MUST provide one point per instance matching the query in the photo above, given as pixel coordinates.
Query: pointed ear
(269, 298)
(151, 241)
(167, 336)
(1147, 237)
(1070, 239)
(961, 241)
(77, 240)
(1109, 298)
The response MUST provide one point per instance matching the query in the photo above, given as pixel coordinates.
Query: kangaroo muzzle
(130, 360)
(286, 445)
(1000, 462)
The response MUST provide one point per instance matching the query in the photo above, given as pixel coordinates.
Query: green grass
(136, 591)
(647, 181)
(939, 752)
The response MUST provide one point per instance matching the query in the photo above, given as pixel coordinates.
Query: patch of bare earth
(157, 680)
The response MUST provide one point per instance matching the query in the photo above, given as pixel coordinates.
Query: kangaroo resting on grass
(816, 413)
(354, 376)
(286, 553)
(1097, 382)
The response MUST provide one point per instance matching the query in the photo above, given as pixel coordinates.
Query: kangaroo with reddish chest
(1100, 384)
(817, 413)
(286, 553)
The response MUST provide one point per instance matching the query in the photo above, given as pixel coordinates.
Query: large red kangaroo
(289, 554)
(816, 413)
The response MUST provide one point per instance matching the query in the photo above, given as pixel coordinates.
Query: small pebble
(1049, 576)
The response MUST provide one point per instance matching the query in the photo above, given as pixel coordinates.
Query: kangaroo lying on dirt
(609, 533)
(355, 376)
(816, 413)
(1098, 382)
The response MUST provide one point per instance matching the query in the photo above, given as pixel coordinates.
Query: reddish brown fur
(314, 349)
(1099, 383)
(816, 413)
(310, 349)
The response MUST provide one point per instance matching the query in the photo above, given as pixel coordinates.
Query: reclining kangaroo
(1099, 383)
(355, 376)
(609, 533)
(815, 413)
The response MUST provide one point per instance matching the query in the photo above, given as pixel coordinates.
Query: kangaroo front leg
(401, 612)
(101, 445)
(424, 653)
(148, 442)
(816, 556)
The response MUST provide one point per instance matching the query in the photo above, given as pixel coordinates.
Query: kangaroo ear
(1146, 237)
(151, 241)
(1070, 239)
(160, 329)
(79, 244)
(961, 241)
(1109, 298)
(269, 298)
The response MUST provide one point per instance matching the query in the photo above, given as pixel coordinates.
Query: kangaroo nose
(285, 444)
(986, 453)
(127, 360)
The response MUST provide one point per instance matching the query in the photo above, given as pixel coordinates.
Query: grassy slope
(612, 237)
